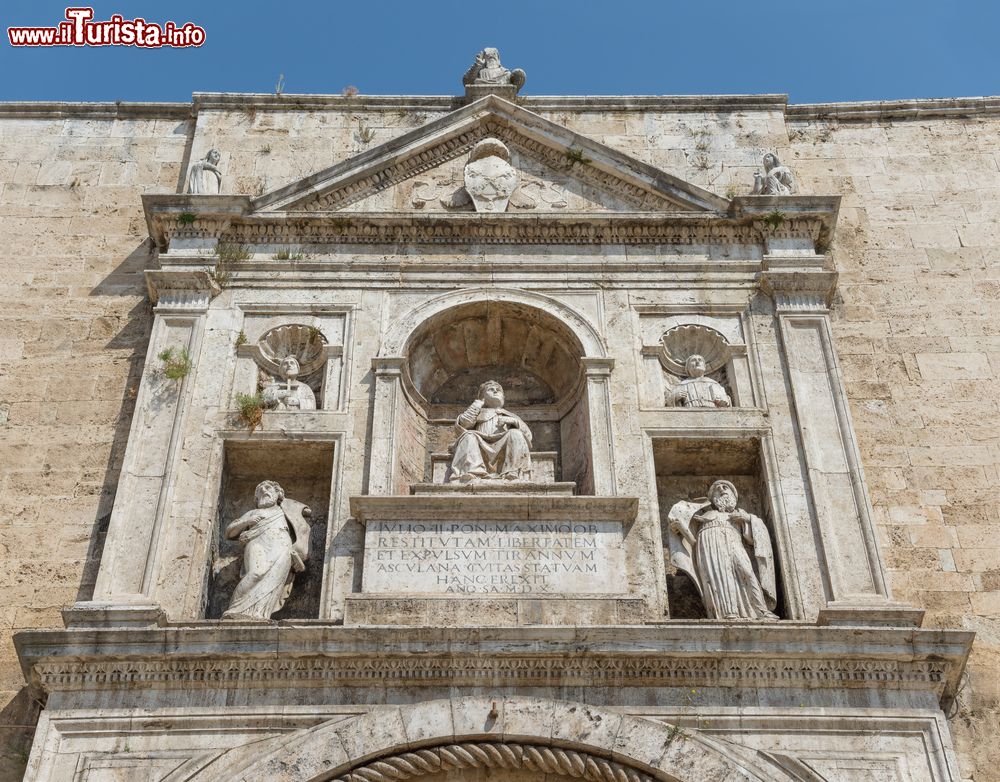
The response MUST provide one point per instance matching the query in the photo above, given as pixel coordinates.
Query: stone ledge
(502, 610)
(671, 654)
(494, 488)
(435, 507)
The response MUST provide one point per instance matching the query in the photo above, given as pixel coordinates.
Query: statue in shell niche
(726, 552)
(695, 356)
(291, 360)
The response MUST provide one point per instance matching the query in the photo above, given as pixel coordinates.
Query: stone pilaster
(801, 288)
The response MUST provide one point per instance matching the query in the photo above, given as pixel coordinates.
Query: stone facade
(598, 275)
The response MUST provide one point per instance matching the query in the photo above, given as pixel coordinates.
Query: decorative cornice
(916, 109)
(674, 654)
(512, 671)
(306, 229)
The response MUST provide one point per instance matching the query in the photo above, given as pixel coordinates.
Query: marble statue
(698, 390)
(726, 552)
(204, 178)
(288, 393)
(487, 70)
(490, 179)
(777, 179)
(493, 443)
(275, 540)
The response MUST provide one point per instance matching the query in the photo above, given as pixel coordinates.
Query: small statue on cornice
(487, 71)
(777, 179)
(204, 178)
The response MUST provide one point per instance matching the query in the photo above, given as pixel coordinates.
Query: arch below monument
(400, 333)
(470, 734)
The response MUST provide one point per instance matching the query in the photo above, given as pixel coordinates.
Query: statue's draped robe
(778, 181)
(732, 585)
(729, 584)
(486, 447)
(301, 396)
(275, 547)
(204, 179)
(700, 392)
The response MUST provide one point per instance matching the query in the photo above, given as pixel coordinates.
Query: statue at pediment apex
(487, 71)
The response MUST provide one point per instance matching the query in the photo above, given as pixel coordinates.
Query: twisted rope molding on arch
(494, 755)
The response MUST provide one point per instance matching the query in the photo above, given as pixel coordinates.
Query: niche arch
(553, 739)
(550, 359)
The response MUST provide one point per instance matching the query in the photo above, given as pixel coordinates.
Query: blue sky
(836, 50)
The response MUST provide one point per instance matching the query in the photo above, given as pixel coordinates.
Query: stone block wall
(917, 325)
(917, 328)
(74, 321)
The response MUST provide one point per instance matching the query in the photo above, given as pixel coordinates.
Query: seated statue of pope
(493, 442)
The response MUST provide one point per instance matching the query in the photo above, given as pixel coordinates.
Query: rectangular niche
(304, 470)
(685, 468)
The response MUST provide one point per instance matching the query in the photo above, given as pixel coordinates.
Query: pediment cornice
(643, 187)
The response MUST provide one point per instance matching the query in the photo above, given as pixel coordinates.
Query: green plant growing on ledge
(186, 218)
(241, 340)
(574, 156)
(250, 409)
(285, 255)
(176, 363)
(227, 255)
(774, 220)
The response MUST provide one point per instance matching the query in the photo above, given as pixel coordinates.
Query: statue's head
(723, 496)
(213, 157)
(268, 494)
(770, 161)
(492, 56)
(695, 365)
(491, 392)
(289, 367)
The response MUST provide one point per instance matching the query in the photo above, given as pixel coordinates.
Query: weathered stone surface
(913, 358)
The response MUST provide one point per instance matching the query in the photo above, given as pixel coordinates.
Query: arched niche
(472, 739)
(540, 350)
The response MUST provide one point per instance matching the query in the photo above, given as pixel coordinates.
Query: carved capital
(597, 366)
(391, 366)
(799, 284)
(182, 290)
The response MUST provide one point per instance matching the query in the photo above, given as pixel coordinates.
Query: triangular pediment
(559, 170)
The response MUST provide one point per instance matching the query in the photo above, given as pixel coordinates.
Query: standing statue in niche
(493, 443)
(275, 540)
(697, 390)
(487, 70)
(204, 178)
(726, 552)
(288, 393)
(777, 179)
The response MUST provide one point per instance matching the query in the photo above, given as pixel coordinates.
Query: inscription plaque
(555, 552)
